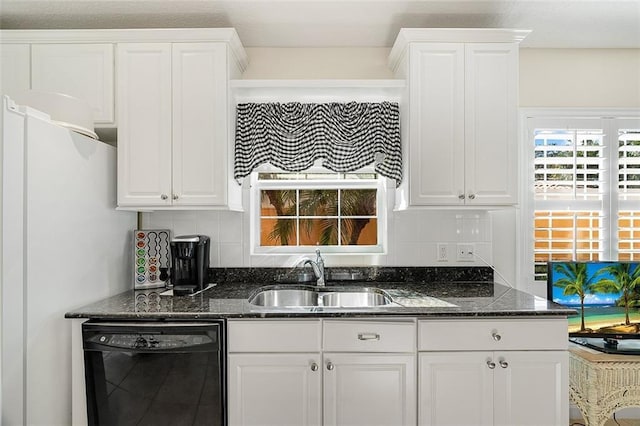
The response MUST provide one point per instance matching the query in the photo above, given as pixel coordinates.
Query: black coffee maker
(189, 263)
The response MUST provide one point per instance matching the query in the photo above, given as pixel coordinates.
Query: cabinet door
(531, 388)
(274, 389)
(436, 122)
(144, 124)
(199, 124)
(84, 71)
(491, 138)
(455, 389)
(15, 68)
(369, 389)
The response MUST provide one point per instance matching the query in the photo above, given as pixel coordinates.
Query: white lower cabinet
(358, 372)
(463, 382)
(487, 388)
(276, 379)
(275, 389)
(369, 389)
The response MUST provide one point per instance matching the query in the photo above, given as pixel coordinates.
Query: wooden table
(601, 384)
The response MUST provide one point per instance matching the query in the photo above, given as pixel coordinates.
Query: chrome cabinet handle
(496, 336)
(164, 196)
(368, 336)
(491, 364)
(314, 367)
(330, 366)
(503, 363)
(175, 196)
(461, 196)
(472, 196)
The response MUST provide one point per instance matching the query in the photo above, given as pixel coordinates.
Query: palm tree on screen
(577, 282)
(626, 281)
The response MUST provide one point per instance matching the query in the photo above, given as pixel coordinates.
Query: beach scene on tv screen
(605, 294)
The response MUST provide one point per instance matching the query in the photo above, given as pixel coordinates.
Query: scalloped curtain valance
(344, 136)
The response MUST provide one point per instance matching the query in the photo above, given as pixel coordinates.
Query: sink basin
(284, 297)
(328, 297)
(356, 298)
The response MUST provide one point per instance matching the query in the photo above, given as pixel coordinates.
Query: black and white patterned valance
(344, 136)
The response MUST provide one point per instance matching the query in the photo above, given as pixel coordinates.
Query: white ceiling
(375, 23)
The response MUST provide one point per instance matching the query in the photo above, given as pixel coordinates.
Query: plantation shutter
(344, 136)
(570, 192)
(628, 191)
(586, 190)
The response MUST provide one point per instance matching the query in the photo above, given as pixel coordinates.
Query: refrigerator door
(13, 266)
(74, 248)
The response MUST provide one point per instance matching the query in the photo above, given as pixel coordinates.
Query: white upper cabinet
(84, 71)
(144, 124)
(60, 61)
(436, 117)
(200, 117)
(491, 123)
(174, 125)
(15, 66)
(460, 146)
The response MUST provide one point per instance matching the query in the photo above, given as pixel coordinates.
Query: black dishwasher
(155, 373)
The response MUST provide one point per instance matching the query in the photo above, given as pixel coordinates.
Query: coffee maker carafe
(189, 263)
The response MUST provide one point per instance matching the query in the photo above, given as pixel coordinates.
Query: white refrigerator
(64, 245)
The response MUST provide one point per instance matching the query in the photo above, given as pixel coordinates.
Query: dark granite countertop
(229, 300)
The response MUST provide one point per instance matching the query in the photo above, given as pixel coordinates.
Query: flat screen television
(607, 298)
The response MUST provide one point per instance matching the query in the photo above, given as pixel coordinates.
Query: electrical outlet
(442, 254)
(464, 252)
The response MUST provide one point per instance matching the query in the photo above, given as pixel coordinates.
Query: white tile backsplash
(207, 223)
(412, 239)
(231, 255)
(231, 229)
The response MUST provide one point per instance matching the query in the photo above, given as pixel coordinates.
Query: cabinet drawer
(493, 334)
(369, 336)
(274, 336)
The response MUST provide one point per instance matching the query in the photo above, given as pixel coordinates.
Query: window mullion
(298, 224)
(611, 190)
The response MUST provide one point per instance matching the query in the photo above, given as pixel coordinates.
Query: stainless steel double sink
(280, 296)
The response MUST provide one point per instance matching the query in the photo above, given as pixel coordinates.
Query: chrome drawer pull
(329, 366)
(314, 367)
(368, 336)
(491, 364)
(503, 363)
(496, 336)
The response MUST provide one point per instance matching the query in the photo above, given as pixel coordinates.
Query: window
(294, 211)
(585, 202)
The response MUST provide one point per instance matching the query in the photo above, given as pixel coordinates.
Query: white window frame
(610, 119)
(380, 184)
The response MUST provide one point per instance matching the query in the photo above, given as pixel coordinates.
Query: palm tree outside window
(343, 212)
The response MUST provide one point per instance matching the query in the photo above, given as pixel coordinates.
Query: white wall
(596, 78)
(317, 63)
(548, 78)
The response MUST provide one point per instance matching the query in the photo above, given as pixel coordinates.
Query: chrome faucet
(318, 268)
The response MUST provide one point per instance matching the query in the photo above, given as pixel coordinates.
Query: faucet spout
(318, 268)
